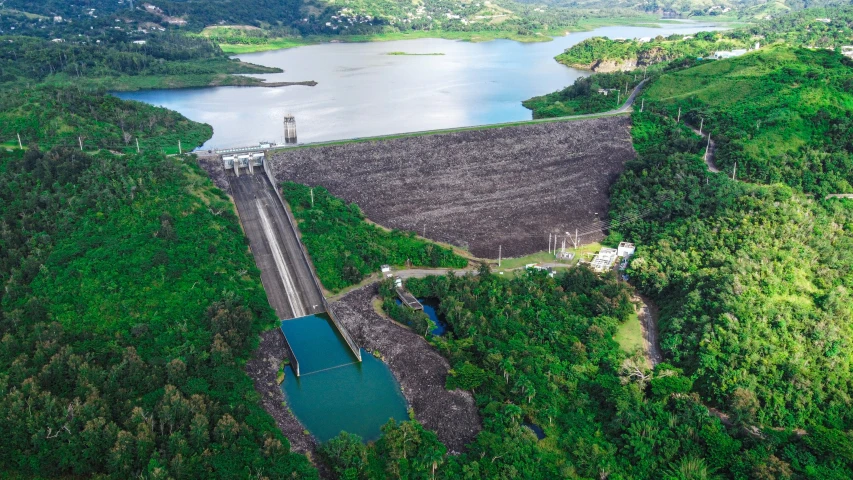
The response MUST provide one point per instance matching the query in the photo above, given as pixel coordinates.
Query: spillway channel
(331, 384)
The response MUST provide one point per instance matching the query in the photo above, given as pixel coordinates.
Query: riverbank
(419, 369)
(260, 44)
(263, 370)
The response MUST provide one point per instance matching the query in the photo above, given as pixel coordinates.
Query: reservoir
(335, 392)
(362, 91)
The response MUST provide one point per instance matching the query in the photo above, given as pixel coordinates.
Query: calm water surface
(362, 91)
(335, 392)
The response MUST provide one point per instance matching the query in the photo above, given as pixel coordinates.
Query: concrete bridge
(289, 280)
(408, 299)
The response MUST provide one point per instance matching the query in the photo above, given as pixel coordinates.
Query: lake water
(335, 392)
(362, 91)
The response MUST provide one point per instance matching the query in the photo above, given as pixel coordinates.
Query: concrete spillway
(327, 385)
(291, 287)
(287, 278)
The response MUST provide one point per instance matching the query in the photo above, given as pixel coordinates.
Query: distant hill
(813, 28)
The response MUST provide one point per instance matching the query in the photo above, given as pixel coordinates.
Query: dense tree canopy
(345, 248)
(126, 315)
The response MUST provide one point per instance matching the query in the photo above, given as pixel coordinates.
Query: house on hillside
(847, 51)
(724, 54)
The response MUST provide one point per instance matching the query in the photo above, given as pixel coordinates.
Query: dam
(329, 385)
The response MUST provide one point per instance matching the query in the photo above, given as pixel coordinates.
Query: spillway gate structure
(289, 280)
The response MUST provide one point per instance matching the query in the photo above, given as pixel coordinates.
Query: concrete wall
(294, 362)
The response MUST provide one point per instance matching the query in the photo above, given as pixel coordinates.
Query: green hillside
(814, 28)
(782, 114)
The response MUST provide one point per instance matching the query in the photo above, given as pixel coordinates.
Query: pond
(335, 392)
(431, 309)
(536, 429)
(363, 91)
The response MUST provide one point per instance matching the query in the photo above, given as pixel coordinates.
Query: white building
(604, 260)
(847, 51)
(625, 249)
(724, 54)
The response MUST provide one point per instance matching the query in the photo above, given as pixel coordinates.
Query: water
(364, 92)
(536, 429)
(316, 343)
(358, 398)
(431, 309)
(335, 392)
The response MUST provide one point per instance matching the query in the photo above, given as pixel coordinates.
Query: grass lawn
(545, 257)
(629, 335)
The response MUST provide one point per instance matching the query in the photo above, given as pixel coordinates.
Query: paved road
(285, 273)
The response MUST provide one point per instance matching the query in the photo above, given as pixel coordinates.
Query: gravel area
(420, 370)
(478, 189)
(263, 369)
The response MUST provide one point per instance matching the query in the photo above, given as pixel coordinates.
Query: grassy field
(545, 257)
(770, 105)
(629, 335)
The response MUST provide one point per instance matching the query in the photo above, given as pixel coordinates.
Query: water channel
(363, 91)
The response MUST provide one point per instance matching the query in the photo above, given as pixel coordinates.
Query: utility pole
(20, 145)
(499, 255)
(701, 124)
(312, 198)
(618, 96)
(549, 243)
(137, 145)
(642, 104)
(80, 139)
(180, 150)
(679, 116)
(424, 235)
(707, 149)
(758, 125)
(734, 173)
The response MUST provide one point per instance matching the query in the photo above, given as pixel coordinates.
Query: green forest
(123, 341)
(331, 230)
(536, 350)
(592, 94)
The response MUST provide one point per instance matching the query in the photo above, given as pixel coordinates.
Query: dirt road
(649, 321)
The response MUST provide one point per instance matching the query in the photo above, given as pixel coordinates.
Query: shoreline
(587, 25)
